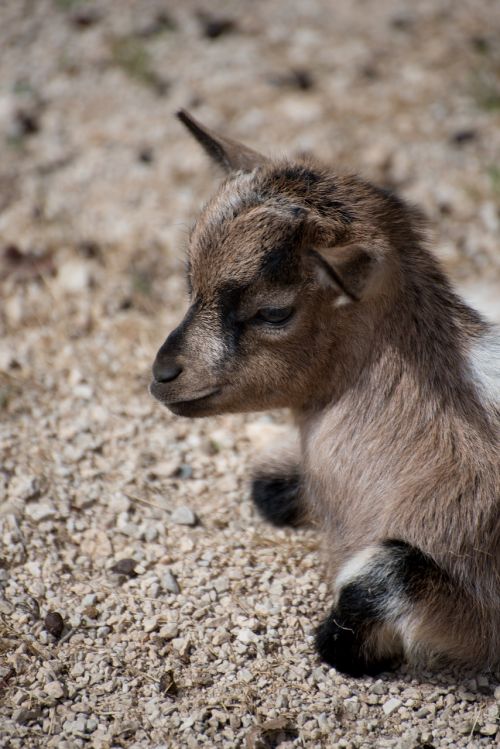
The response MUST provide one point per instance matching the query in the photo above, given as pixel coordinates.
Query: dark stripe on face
(229, 299)
(280, 264)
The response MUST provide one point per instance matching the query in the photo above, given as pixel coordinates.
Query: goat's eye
(274, 315)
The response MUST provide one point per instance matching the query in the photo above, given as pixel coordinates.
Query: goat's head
(279, 264)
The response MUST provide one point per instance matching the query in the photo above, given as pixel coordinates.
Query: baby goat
(315, 292)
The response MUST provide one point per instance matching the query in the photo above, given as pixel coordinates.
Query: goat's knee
(380, 594)
(278, 497)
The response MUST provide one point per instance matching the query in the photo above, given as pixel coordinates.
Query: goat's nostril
(166, 371)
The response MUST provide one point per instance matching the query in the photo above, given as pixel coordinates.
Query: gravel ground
(184, 620)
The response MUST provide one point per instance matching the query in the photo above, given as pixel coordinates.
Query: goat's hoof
(278, 500)
(340, 646)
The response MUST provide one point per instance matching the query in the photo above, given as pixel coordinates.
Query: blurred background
(99, 185)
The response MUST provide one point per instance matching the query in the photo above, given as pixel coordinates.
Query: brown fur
(398, 438)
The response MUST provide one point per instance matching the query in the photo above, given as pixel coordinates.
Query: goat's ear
(227, 153)
(351, 269)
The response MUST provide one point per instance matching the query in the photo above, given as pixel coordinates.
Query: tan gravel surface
(184, 620)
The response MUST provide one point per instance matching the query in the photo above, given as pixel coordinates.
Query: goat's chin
(206, 405)
(194, 409)
(214, 403)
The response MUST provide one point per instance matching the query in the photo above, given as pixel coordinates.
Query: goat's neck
(412, 346)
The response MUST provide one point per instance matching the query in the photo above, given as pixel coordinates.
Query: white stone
(221, 584)
(83, 391)
(169, 631)
(73, 276)
(183, 515)
(25, 487)
(150, 623)
(54, 689)
(40, 511)
(391, 705)
(489, 729)
(79, 724)
(181, 644)
(246, 636)
(118, 502)
(246, 675)
(89, 600)
(169, 582)
(77, 670)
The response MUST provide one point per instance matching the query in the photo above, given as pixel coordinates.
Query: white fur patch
(484, 362)
(229, 201)
(342, 300)
(355, 566)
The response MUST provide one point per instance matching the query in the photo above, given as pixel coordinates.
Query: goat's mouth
(183, 407)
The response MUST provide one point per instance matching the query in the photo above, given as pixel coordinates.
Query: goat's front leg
(277, 489)
(385, 595)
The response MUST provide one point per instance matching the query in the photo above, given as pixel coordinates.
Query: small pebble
(125, 567)
(423, 712)
(489, 729)
(169, 582)
(25, 715)
(183, 516)
(91, 612)
(184, 471)
(169, 631)
(150, 624)
(79, 725)
(167, 684)
(54, 624)
(182, 645)
(391, 705)
(54, 689)
(38, 512)
(215, 26)
(246, 635)
(89, 600)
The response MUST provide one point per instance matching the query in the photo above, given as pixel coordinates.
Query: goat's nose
(166, 370)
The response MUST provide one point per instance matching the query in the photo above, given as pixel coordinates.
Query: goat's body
(399, 456)
(316, 292)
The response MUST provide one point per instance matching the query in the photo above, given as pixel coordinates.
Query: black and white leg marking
(364, 632)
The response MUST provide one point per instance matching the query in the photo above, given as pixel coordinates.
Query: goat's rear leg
(277, 490)
(380, 594)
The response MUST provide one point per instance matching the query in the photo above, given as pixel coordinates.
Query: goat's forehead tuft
(244, 231)
(281, 181)
(236, 194)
